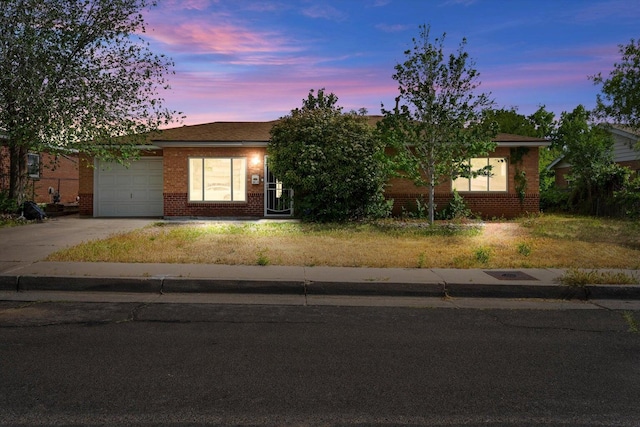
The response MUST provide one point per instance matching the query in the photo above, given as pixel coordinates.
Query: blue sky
(251, 60)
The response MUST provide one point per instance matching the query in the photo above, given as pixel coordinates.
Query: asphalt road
(195, 364)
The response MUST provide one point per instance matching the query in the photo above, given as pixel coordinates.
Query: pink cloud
(201, 37)
(207, 96)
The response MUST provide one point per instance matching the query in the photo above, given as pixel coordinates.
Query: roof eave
(523, 143)
(165, 144)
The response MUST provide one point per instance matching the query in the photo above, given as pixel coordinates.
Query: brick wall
(85, 188)
(498, 205)
(59, 172)
(404, 192)
(488, 205)
(176, 172)
(177, 205)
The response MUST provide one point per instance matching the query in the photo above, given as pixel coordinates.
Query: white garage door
(132, 191)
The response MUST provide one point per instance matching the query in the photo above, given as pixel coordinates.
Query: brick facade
(402, 191)
(176, 173)
(486, 204)
(177, 205)
(58, 172)
(249, 140)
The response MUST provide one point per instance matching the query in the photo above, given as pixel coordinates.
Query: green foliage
(628, 198)
(554, 199)
(77, 74)
(263, 259)
(482, 255)
(520, 176)
(589, 149)
(456, 209)
(442, 122)
(620, 97)
(539, 124)
(580, 278)
(417, 210)
(7, 204)
(334, 161)
(524, 249)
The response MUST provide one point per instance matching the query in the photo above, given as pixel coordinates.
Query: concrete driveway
(30, 243)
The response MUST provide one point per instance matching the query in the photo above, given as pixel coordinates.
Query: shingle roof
(220, 132)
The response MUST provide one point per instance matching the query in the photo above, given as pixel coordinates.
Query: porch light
(255, 161)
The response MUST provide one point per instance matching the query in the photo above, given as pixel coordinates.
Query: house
(625, 152)
(221, 170)
(51, 177)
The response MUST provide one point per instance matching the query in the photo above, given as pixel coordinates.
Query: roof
(217, 132)
(257, 134)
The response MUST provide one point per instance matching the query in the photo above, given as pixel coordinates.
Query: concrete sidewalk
(23, 248)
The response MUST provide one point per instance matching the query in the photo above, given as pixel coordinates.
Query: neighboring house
(50, 175)
(221, 170)
(625, 153)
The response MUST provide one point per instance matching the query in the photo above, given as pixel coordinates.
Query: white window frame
(458, 183)
(201, 196)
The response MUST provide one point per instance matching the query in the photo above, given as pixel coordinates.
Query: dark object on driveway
(30, 210)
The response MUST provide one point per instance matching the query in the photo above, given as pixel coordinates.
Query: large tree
(620, 97)
(438, 123)
(589, 150)
(540, 124)
(76, 75)
(332, 160)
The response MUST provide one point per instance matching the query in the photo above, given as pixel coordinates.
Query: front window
(217, 179)
(33, 165)
(491, 175)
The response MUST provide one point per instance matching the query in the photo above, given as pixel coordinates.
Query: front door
(278, 201)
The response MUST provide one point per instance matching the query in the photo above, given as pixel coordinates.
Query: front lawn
(532, 242)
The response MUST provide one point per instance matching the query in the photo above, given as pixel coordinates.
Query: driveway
(30, 243)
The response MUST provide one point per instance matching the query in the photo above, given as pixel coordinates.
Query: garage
(134, 191)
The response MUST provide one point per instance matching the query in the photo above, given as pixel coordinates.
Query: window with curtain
(220, 179)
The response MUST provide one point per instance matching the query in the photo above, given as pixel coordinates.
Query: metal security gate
(278, 201)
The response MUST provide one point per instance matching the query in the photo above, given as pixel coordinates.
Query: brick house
(49, 174)
(221, 170)
(625, 153)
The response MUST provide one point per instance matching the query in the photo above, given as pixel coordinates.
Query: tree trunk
(17, 172)
(432, 191)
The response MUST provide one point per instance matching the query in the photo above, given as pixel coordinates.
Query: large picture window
(496, 180)
(217, 179)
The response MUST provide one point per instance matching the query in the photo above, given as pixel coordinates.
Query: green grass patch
(584, 229)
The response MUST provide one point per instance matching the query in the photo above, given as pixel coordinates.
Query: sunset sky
(254, 60)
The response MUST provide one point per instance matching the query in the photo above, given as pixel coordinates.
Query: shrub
(7, 205)
(456, 209)
(628, 198)
(334, 161)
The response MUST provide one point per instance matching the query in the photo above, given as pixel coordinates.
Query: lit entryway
(278, 201)
(135, 191)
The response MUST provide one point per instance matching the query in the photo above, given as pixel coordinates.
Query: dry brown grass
(545, 241)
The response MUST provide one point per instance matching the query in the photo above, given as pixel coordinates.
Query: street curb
(375, 288)
(462, 290)
(8, 283)
(159, 285)
(237, 286)
(102, 284)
